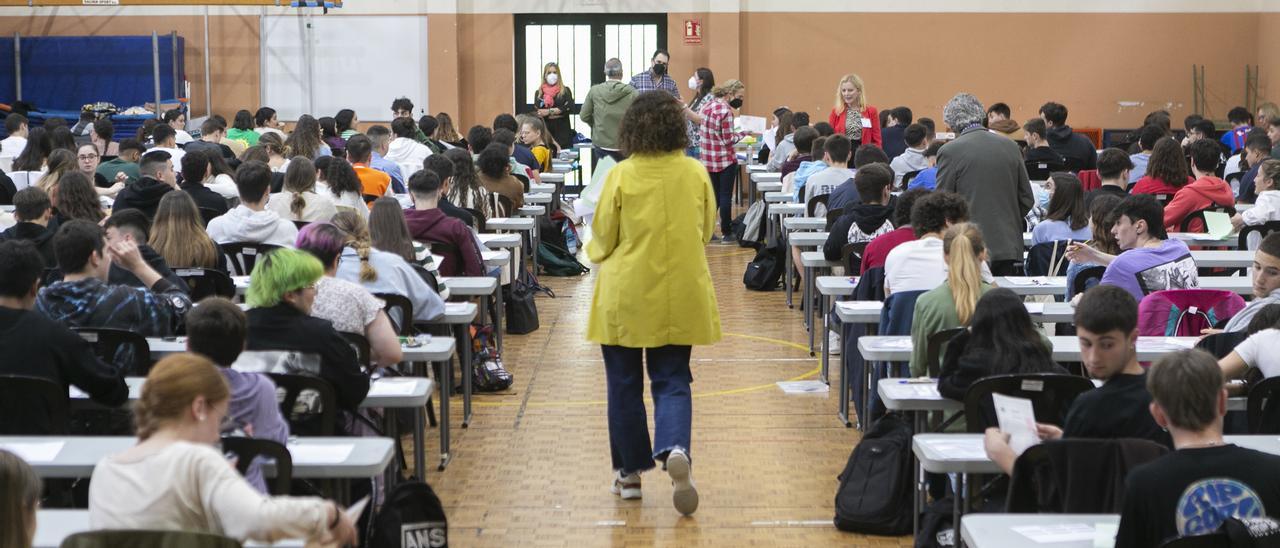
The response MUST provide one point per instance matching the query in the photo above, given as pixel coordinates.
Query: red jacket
(870, 136)
(1151, 185)
(1204, 192)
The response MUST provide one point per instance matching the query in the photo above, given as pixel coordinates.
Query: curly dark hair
(1168, 164)
(902, 210)
(931, 213)
(654, 123)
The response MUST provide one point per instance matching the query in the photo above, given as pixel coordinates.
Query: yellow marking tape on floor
(728, 392)
(734, 254)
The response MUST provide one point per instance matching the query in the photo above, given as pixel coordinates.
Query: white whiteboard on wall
(355, 61)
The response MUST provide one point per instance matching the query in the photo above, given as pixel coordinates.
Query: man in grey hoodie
(251, 221)
(603, 109)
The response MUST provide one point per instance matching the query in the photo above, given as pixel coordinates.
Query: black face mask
(659, 69)
(736, 103)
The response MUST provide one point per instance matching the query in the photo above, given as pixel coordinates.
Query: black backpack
(765, 270)
(875, 493)
(557, 261)
(412, 517)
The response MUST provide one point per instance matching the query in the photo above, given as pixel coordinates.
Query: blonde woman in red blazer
(851, 97)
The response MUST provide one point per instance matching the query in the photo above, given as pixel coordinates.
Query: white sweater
(189, 487)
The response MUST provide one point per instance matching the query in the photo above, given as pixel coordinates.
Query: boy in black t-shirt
(1107, 325)
(1194, 489)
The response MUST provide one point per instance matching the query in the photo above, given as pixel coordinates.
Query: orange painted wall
(486, 69)
(1269, 57)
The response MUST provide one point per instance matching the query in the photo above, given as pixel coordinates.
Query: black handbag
(521, 310)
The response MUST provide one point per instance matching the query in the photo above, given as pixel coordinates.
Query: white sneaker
(627, 486)
(833, 344)
(684, 495)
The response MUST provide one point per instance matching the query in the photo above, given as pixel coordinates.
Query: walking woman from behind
(717, 140)
(653, 297)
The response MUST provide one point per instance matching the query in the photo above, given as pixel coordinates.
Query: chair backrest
(1051, 395)
(369, 198)
(1073, 165)
(301, 224)
(852, 255)
(933, 352)
(1047, 479)
(1210, 540)
(360, 344)
(1039, 171)
(307, 400)
(127, 350)
(503, 206)
(1163, 197)
(32, 406)
(206, 282)
(135, 538)
(427, 276)
(478, 216)
(450, 252)
(1247, 233)
(1089, 179)
(1263, 408)
(400, 310)
(832, 215)
(1185, 312)
(1234, 177)
(1083, 278)
(1042, 257)
(1194, 222)
(811, 207)
(895, 316)
(208, 214)
(524, 181)
(241, 256)
(870, 285)
(907, 177)
(247, 449)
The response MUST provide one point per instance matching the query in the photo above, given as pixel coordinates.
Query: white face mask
(693, 83)
(553, 78)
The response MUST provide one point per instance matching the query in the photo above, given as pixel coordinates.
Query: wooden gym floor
(533, 467)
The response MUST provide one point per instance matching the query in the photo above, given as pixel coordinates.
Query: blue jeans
(669, 379)
(722, 182)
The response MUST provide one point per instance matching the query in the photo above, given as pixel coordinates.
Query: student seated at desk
(251, 221)
(1266, 282)
(877, 251)
(299, 200)
(20, 489)
(383, 271)
(1107, 325)
(1151, 261)
(836, 154)
(1002, 340)
(919, 265)
(1262, 336)
(1206, 191)
(34, 213)
(1267, 205)
(1167, 171)
(40, 347)
(157, 178)
(1192, 490)
(1114, 167)
(865, 221)
(1067, 218)
(133, 225)
(784, 146)
(795, 182)
(336, 179)
(174, 478)
(428, 224)
(1101, 222)
(1038, 149)
(913, 157)
(804, 138)
(951, 304)
(216, 330)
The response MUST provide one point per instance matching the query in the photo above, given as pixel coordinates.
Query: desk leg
(922, 485)
(419, 447)
(514, 263)
(823, 337)
(533, 235)
(808, 307)
(497, 318)
(844, 387)
(962, 481)
(786, 272)
(446, 388)
(467, 372)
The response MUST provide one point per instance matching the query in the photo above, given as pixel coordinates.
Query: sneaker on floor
(833, 344)
(628, 486)
(728, 239)
(684, 495)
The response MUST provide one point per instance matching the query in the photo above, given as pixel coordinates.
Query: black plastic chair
(1199, 214)
(360, 344)
(1211, 540)
(1163, 198)
(208, 214)
(369, 198)
(246, 449)
(933, 349)
(33, 406)
(1039, 171)
(479, 217)
(1037, 486)
(524, 181)
(134, 538)
(450, 253)
(811, 207)
(852, 255)
(1074, 165)
(1042, 256)
(1263, 407)
(1261, 230)
(1081, 282)
(907, 177)
(301, 224)
(118, 346)
(427, 276)
(503, 206)
(1051, 395)
(400, 310)
(832, 215)
(321, 422)
(241, 256)
(206, 282)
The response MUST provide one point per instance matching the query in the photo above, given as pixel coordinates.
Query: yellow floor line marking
(696, 395)
(744, 252)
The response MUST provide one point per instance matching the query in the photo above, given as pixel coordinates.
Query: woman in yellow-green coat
(653, 293)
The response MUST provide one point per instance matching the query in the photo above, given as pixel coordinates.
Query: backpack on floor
(557, 261)
(487, 371)
(875, 492)
(412, 517)
(765, 270)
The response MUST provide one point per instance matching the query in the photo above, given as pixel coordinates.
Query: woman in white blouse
(1267, 206)
(299, 200)
(338, 180)
(174, 478)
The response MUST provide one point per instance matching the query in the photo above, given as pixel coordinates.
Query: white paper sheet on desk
(311, 453)
(1061, 532)
(860, 305)
(1027, 280)
(1166, 344)
(1104, 535)
(902, 344)
(961, 450)
(1018, 419)
(393, 387)
(754, 124)
(35, 451)
(1034, 308)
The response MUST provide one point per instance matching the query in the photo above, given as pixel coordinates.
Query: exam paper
(393, 387)
(1062, 532)
(860, 305)
(903, 343)
(754, 124)
(970, 449)
(34, 451)
(1018, 419)
(1034, 308)
(320, 453)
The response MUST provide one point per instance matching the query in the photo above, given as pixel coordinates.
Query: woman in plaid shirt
(717, 138)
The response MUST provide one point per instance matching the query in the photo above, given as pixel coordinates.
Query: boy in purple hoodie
(428, 224)
(1151, 260)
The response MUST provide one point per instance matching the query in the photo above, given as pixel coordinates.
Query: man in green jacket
(603, 109)
(127, 163)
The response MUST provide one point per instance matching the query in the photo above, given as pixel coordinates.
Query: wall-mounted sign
(692, 31)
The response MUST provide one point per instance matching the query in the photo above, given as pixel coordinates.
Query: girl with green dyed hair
(285, 275)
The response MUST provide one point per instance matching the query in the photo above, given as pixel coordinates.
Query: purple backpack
(1185, 312)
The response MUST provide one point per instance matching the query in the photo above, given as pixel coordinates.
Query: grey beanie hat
(962, 111)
